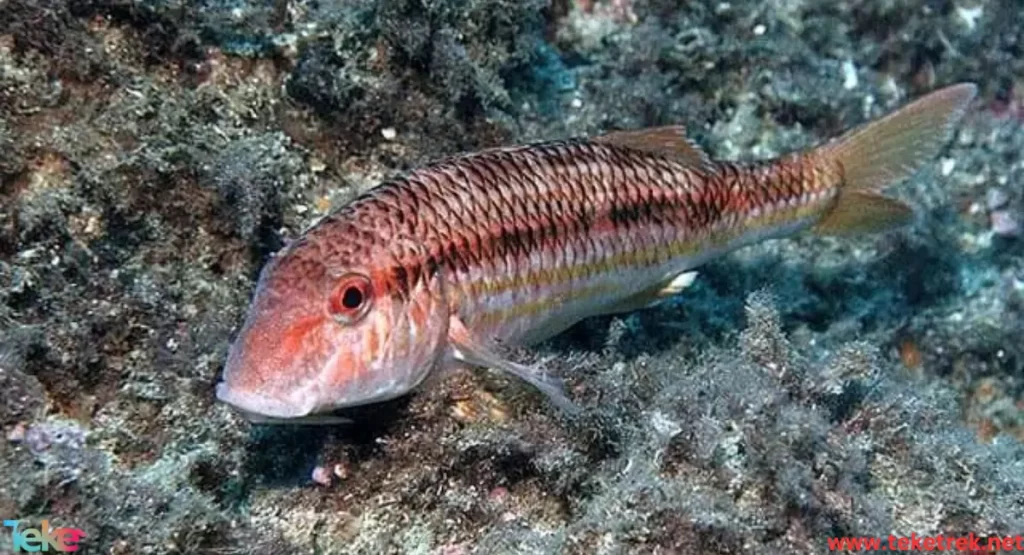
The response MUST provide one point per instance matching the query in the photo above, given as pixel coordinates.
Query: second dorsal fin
(670, 141)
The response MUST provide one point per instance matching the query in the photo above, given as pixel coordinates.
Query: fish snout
(261, 377)
(260, 403)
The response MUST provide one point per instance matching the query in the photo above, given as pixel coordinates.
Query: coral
(758, 445)
(50, 28)
(10, 159)
(435, 70)
(22, 394)
(249, 174)
(57, 446)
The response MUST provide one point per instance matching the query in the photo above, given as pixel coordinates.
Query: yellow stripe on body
(532, 308)
(549, 277)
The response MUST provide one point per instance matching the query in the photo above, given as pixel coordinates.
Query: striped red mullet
(513, 245)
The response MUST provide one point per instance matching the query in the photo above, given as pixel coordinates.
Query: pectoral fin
(471, 351)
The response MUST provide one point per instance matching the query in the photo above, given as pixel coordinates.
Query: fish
(463, 259)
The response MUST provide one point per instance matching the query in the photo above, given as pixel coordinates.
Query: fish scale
(549, 209)
(441, 268)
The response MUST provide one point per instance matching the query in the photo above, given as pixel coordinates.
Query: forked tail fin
(886, 151)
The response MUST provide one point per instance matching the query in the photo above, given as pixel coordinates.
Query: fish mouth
(257, 406)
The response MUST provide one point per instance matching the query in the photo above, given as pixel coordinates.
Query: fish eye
(350, 299)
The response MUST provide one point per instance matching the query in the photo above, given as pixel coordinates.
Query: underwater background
(154, 153)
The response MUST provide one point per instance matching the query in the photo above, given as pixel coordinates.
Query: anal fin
(654, 295)
(678, 284)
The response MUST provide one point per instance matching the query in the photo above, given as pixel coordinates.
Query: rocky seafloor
(153, 154)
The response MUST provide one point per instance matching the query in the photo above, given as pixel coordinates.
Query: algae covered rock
(154, 154)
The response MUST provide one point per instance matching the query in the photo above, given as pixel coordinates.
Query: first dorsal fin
(670, 141)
